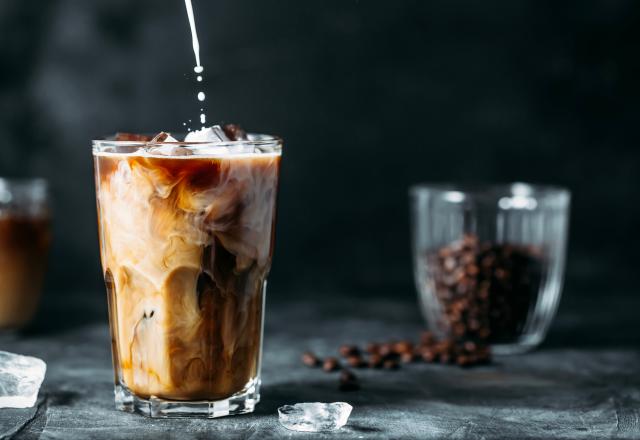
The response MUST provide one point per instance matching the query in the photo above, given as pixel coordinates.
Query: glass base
(240, 403)
(523, 345)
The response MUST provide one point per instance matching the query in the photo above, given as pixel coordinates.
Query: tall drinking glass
(186, 240)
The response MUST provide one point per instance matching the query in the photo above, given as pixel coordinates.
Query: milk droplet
(201, 96)
(199, 78)
(203, 118)
(198, 69)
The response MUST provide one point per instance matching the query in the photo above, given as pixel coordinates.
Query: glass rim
(256, 140)
(491, 189)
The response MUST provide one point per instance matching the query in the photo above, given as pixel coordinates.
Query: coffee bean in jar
(486, 291)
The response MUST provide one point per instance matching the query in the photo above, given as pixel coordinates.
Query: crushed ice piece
(314, 416)
(163, 137)
(209, 134)
(20, 380)
(167, 149)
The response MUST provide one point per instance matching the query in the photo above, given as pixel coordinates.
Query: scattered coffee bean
(403, 347)
(372, 347)
(429, 355)
(407, 357)
(348, 381)
(463, 360)
(356, 361)
(375, 361)
(349, 350)
(445, 357)
(427, 338)
(390, 364)
(386, 349)
(330, 364)
(470, 346)
(310, 359)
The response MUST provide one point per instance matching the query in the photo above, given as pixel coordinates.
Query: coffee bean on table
(407, 357)
(310, 359)
(372, 347)
(375, 361)
(356, 361)
(348, 381)
(386, 349)
(390, 364)
(349, 350)
(403, 347)
(429, 354)
(427, 338)
(330, 364)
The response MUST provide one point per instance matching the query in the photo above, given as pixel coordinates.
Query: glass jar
(489, 261)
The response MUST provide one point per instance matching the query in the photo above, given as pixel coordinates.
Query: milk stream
(196, 50)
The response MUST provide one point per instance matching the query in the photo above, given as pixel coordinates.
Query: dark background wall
(370, 97)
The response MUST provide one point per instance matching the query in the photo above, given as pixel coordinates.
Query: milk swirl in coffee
(186, 235)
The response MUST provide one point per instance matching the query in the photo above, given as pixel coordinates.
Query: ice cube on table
(20, 380)
(314, 416)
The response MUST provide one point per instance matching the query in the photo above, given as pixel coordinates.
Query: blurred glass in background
(24, 243)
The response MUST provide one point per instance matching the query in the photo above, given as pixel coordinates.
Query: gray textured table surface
(584, 383)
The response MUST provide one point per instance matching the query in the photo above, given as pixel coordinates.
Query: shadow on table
(498, 386)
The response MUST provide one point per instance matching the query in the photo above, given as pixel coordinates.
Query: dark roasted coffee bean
(449, 264)
(372, 347)
(472, 270)
(356, 361)
(349, 350)
(390, 364)
(348, 381)
(427, 338)
(429, 355)
(310, 359)
(234, 132)
(407, 357)
(330, 364)
(464, 360)
(459, 330)
(445, 358)
(403, 347)
(470, 346)
(386, 349)
(375, 360)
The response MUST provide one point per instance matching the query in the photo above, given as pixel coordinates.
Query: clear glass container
(24, 244)
(489, 260)
(186, 239)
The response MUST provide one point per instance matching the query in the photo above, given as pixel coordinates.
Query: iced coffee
(24, 244)
(186, 236)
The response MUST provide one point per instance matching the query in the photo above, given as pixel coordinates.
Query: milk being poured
(196, 50)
